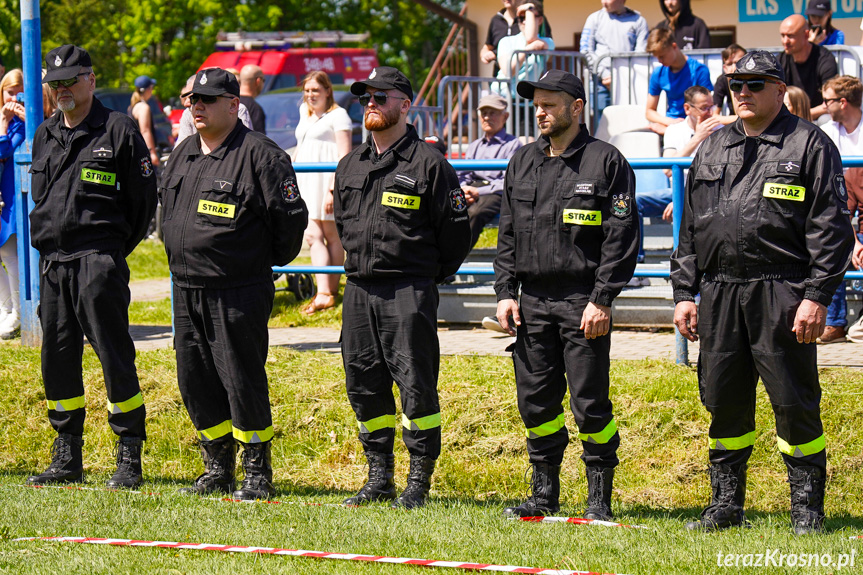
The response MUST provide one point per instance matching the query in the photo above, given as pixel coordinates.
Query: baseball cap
(214, 82)
(495, 101)
(555, 81)
(144, 82)
(65, 63)
(818, 8)
(384, 78)
(436, 143)
(758, 63)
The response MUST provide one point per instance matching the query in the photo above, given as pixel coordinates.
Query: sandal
(314, 306)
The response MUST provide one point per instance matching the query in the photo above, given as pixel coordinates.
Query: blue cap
(144, 82)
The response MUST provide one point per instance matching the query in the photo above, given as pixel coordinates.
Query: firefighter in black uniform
(95, 194)
(231, 211)
(568, 241)
(765, 238)
(402, 219)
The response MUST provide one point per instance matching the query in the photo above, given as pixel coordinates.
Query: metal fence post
(682, 344)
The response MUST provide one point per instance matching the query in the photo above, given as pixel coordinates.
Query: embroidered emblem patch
(841, 190)
(584, 188)
(789, 167)
(373, 74)
(457, 200)
(58, 62)
(621, 205)
(146, 167)
(290, 191)
(203, 78)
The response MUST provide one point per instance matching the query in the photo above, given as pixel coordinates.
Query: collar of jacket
(404, 146)
(218, 153)
(580, 141)
(773, 134)
(97, 117)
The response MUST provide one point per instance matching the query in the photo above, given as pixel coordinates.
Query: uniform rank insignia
(146, 167)
(789, 167)
(841, 190)
(621, 205)
(103, 153)
(584, 188)
(290, 191)
(457, 200)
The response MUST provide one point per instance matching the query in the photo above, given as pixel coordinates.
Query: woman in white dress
(323, 135)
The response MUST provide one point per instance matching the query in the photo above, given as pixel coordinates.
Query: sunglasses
(206, 99)
(754, 85)
(380, 98)
(54, 84)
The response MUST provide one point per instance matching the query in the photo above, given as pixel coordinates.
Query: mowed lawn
(661, 481)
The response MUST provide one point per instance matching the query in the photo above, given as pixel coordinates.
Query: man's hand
(596, 320)
(668, 212)
(487, 55)
(705, 128)
(857, 258)
(809, 321)
(328, 202)
(508, 309)
(471, 194)
(686, 319)
(606, 82)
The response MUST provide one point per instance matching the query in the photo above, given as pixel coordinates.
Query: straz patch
(582, 217)
(97, 177)
(784, 192)
(216, 209)
(290, 191)
(146, 167)
(394, 200)
(839, 187)
(621, 205)
(457, 200)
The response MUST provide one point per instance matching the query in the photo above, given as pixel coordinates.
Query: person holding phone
(821, 30)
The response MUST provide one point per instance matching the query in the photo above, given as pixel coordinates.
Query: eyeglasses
(54, 84)
(705, 109)
(380, 98)
(828, 100)
(754, 85)
(206, 99)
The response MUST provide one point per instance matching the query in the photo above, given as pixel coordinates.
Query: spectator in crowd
(49, 104)
(843, 96)
(721, 94)
(482, 188)
(681, 140)
(251, 86)
(323, 135)
(690, 31)
(139, 109)
(821, 30)
(11, 137)
(805, 65)
(798, 103)
(187, 120)
(615, 28)
(530, 18)
(854, 182)
(504, 23)
(676, 73)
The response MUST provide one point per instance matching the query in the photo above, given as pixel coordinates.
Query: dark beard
(560, 125)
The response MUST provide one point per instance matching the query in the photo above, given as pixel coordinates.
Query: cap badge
(373, 74)
(203, 78)
(57, 61)
(541, 78)
(750, 65)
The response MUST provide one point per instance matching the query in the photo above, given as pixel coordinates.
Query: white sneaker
(492, 324)
(11, 326)
(855, 332)
(638, 282)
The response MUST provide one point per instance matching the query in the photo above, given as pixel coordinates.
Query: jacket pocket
(39, 178)
(219, 203)
(168, 194)
(707, 189)
(522, 205)
(782, 193)
(403, 201)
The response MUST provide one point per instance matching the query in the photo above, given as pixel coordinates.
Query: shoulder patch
(457, 200)
(839, 188)
(621, 204)
(290, 191)
(146, 167)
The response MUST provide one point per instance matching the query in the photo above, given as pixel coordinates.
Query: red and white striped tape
(856, 537)
(311, 554)
(579, 521)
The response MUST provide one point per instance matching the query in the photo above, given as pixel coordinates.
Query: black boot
(599, 485)
(419, 482)
(219, 458)
(807, 499)
(258, 467)
(128, 474)
(545, 493)
(67, 463)
(380, 486)
(729, 495)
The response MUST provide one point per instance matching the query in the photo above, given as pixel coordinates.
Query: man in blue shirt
(674, 76)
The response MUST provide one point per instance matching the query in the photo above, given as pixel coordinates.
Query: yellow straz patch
(582, 217)
(784, 192)
(216, 209)
(401, 201)
(97, 177)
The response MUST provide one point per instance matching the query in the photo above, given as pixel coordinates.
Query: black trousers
(89, 296)
(745, 332)
(551, 351)
(389, 333)
(221, 341)
(482, 211)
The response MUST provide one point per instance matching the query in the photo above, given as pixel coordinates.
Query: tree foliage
(169, 39)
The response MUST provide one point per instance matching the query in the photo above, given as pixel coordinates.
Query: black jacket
(568, 224)
(97, 194)
(768, 207)
(232, 214)
(401, 216)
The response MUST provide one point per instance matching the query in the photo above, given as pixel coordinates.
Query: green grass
(660, 482)
(148, 261)
(487, 238)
